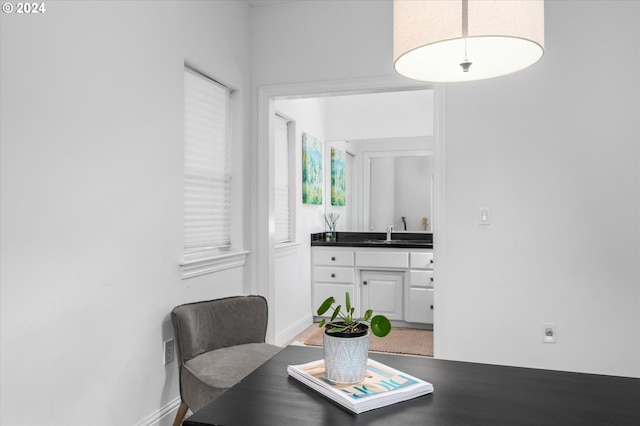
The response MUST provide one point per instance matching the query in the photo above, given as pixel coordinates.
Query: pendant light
(466, 40)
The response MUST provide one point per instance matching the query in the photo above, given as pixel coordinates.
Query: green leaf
(367, 315)
(347, 301)
(337, 330)
(336, 311)
(322, 323)
(325, 305)
(380, 326)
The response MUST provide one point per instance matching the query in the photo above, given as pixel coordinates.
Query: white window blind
(282, 180)
(207, 180)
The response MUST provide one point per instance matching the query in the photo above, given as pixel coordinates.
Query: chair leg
(182, 411)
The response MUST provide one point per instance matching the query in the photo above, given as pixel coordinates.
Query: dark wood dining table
(465, 394)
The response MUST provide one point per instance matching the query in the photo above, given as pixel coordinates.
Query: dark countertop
(374, 239)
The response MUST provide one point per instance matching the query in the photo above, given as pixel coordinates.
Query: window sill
(196, 266)
(286, 249)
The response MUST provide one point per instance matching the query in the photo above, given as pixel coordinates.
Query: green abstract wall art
(337, 178)
(311, 169)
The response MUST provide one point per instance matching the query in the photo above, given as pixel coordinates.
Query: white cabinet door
(420, 306)
(382, 292)
(322, 291)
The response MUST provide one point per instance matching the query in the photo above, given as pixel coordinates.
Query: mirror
(386, 180)
(400, 193)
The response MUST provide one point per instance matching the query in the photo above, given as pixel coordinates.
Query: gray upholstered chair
(219, 342)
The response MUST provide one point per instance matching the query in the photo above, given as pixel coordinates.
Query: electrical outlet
(549, 333)
(168, 351)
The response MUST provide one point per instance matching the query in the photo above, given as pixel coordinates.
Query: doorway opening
(268, 98)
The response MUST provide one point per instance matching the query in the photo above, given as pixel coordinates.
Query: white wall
(537, 147)
(553, 151)
(91, 211)
(292, 265)
(321, 40)
(380, 115)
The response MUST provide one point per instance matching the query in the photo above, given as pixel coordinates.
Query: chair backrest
(205, 326)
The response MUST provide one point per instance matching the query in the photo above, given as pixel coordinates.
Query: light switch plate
(483, 217)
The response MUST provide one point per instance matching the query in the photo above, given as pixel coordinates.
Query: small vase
(331, 235)
(345, 358)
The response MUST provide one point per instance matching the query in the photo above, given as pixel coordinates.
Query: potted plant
(346, 340)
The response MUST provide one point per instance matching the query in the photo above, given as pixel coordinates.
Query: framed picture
(337, 178)
(311, 169)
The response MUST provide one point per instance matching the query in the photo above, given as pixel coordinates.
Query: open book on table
(382, 386)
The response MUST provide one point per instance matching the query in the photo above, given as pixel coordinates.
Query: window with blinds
(281, 165)
(207, 180)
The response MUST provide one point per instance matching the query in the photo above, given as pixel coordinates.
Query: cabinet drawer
(382, 259)
(421, 260)
(333, 257)
(420, 307)
(421, 279)
(337, 275)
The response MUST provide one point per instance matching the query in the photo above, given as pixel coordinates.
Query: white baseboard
(164, 416)
(293, 330)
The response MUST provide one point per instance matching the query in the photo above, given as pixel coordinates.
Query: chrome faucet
(389, 230)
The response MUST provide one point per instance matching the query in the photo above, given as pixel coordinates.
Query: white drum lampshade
(465, 40)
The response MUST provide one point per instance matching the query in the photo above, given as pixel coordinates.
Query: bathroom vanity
(393, 276)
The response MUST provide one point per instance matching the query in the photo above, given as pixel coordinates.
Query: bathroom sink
(393, 242)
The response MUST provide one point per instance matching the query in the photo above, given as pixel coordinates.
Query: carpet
(406, 341)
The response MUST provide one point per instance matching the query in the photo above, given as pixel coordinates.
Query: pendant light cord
(466, 64)
(465, 18)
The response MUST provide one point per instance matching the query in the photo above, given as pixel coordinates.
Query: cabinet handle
(431, 261)
(431, 279)
(333, 275)
(333, 258)
(364, 282)
(431, 307)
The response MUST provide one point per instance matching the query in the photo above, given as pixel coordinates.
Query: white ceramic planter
(345, 358)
